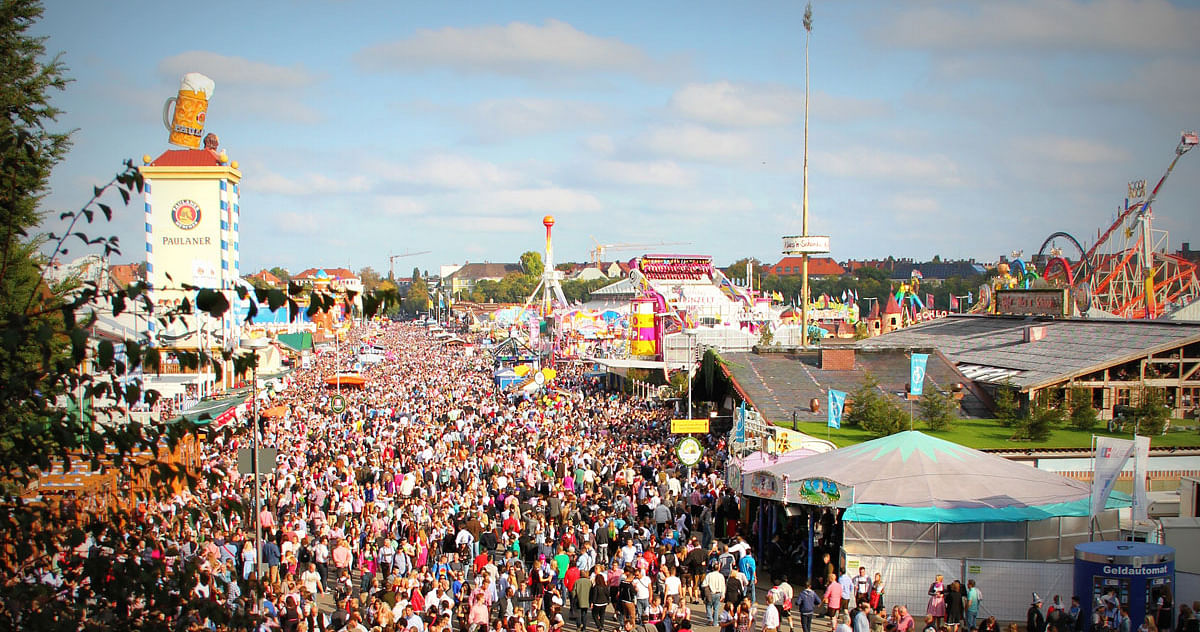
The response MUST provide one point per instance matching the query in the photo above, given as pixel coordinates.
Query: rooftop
(993, 348)
(778, 383)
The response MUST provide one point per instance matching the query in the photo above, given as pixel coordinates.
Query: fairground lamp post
(805, 244)
(254, 345)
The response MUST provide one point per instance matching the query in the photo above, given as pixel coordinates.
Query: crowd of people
(436, 502)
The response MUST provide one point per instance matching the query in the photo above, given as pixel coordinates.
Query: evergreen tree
(1083, 415)
(938, 410)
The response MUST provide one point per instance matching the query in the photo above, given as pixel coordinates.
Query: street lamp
(254, 345)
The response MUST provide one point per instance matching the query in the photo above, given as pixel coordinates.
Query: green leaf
(132, 393)
(104, 208)
(104, 354)
(78, 344)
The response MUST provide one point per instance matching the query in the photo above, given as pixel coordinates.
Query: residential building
(818, 267)
(464, 278)
(266, 278)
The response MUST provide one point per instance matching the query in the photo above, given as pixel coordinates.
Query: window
(1122, 397)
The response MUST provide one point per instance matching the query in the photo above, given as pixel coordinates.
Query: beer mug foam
(186, 124)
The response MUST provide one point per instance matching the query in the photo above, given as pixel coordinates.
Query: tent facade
(914, 495)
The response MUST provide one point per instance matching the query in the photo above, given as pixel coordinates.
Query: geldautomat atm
(1133, 574)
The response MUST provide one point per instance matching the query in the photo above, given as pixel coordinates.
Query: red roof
(874, 315)
(124, 275)
(268, 278)
(187, 158)
(892, 306)
(817, 266)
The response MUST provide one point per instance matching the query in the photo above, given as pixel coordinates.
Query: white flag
(1111, 456)
(1141, 467)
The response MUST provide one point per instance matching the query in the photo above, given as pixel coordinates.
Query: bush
(873, 411)
(1043, 416)
(1007, 410)
(1151, 414)
(1083, 415)
(938, 410)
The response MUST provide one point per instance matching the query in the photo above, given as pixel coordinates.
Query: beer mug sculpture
(186, 122)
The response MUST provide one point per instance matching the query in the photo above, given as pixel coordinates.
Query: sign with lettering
(688, 426)
(805, 244)
(1040, 302)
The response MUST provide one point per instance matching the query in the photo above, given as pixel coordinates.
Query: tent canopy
(911, 476)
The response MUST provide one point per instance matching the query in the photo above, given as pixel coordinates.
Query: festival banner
(953, 302)
(1141, 467)
(837, 402)
(739, 429)
(1111, 456)
(916, 373)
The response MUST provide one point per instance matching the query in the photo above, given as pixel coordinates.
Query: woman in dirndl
(937, 602)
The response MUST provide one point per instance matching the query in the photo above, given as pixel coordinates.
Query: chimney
(1187, 247)
(1034, 333)
(837, 358)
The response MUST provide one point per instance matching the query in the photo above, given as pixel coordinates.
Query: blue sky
(964, 129)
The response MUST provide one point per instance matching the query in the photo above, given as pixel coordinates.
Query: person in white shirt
(771, 616)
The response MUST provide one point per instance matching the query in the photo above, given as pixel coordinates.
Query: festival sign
(689, 451)
(765, 485)
(805, 244)
(821, 492)
(337, 404)
(1040, 302)
(689, 426)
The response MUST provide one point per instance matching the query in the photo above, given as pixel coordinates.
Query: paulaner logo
(185, 214)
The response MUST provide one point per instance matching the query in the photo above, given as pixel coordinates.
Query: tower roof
(187, 158)
(892, 306)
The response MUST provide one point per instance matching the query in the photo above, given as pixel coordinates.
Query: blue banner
(916, 373)
(739, 429)
(837, 402)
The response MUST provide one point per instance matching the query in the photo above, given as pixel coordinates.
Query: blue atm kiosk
(1132, 574)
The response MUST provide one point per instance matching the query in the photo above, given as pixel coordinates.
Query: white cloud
(866, 162)
(451, 172)
(1073, 151)
(1103, 25)
(480, 224)
(915, 203)
(600, 144)
(708, 206)
(298, 223)
(1167, 86)
(523, 117)
(399, 205)
(514, 49)
(695, 142)
(751, 105)
(656, 173)
(737, 105)
(238, 71)
(267, 181)
(546, 199)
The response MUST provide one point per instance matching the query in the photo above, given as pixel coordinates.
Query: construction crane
(599, 251)
(392, 261)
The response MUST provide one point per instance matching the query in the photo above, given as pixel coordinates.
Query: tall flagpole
(804, 186)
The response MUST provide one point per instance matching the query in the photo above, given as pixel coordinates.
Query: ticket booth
(1131, 574)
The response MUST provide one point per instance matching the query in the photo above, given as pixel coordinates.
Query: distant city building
(818, 267)
(266, 278)
(465, 277)
(902, 269)
(329, 279)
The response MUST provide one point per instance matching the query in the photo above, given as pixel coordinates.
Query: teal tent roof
(300, 342)
(911, 476)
